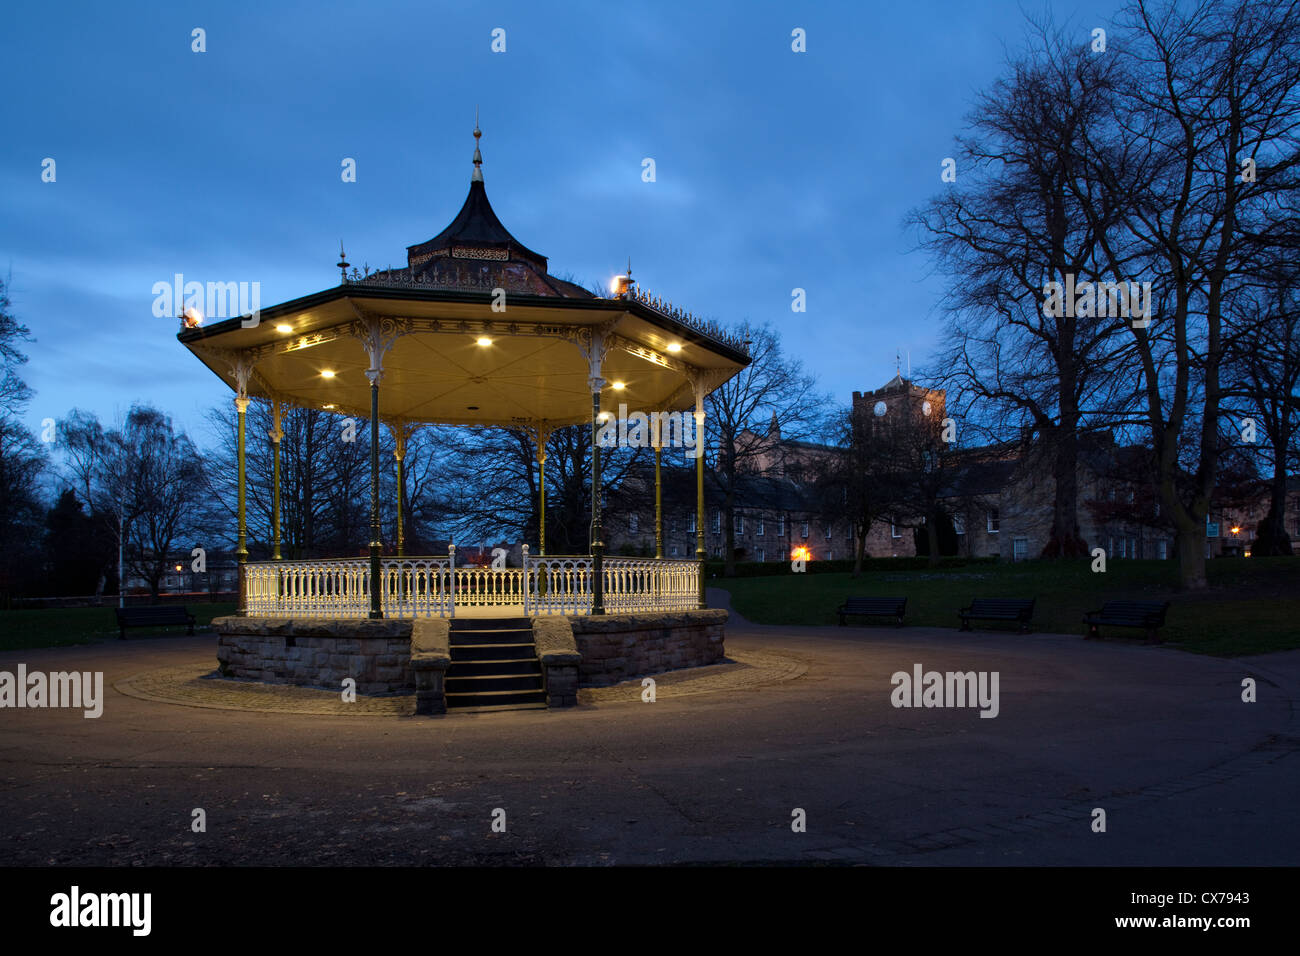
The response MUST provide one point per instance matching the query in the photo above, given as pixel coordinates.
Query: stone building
(998, 497)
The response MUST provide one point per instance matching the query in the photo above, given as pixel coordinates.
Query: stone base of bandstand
(398, 656)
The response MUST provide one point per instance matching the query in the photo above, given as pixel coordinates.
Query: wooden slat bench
(153, 616)
(893, 607)
(1147, 615)
(1018, 610)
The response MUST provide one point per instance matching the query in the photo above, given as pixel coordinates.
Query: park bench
(1019, 610)
(873, 607)
(1148, 615)
(155, 616)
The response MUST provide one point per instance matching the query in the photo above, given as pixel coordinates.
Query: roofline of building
(359, 289)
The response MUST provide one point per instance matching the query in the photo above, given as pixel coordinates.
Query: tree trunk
(1271, 538)
(1189, 541)
(932, 539)
(859, 546)
(1065, 540)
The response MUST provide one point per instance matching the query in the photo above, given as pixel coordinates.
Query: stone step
(522, 635)
(493, 652)
(485, 683)
(526, 665)
(490, 624)
(494, 707)
(494, 699)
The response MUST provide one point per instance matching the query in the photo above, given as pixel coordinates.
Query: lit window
(1162, 549)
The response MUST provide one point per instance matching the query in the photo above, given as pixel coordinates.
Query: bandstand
(474, 331)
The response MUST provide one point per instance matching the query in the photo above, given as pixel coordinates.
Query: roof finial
(478, 157)
(343, 262)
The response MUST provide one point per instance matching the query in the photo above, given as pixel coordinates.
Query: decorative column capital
(241, 404)
(276, 434)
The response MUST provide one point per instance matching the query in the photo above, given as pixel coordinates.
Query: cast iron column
(597, 545)
(400, 455)
(699, 490)
(376, 607)
(541, 498)
(659, 509)
(276, 435)
(241, 551)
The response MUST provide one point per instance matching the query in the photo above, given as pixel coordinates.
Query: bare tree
(1209, 100)
(1011, 223)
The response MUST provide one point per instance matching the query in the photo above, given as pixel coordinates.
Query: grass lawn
(1252, 605)
(57, 627)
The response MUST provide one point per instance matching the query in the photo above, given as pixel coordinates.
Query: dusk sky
(775, 169)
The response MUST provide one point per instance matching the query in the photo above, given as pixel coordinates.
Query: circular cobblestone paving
(194, 687)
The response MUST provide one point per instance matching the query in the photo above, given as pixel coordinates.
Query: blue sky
(775, 170)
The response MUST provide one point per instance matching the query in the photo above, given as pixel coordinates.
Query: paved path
(1188, 774)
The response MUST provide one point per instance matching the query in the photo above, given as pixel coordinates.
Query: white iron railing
(435, 587)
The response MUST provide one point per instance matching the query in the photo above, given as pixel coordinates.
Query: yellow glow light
(327, 373)
(674, 346)
(485, 341)
(620, 385)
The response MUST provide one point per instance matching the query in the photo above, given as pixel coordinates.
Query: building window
(690, 522)
(805, 529)
(893, 528)
(740, 524)
(830, 555)
(634, 523)
(828, 532)
(1019, 549)
(780, 526)
(1162, 549)
(994, 520)
(758, 528)
(1111, 550)
(762, 554)
(717, 521)
(675, 551)
(959, 523)
(672, 524)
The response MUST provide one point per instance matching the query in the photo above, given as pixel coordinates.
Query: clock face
(925, 409)
(880, 409)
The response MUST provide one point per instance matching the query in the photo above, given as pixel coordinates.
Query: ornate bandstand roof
(475, 331)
